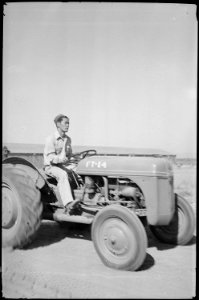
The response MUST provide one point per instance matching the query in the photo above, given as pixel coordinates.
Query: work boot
(68, 208)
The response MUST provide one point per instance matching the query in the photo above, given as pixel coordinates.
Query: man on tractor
(57, 152)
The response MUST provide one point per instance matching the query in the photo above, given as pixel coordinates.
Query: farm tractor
(117, 194)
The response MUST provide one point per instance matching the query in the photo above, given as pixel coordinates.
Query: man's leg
(63, 183)
(76, 177)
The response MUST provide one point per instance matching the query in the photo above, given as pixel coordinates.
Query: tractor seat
(47, 177)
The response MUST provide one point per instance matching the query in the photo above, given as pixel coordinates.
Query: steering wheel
(81, 155)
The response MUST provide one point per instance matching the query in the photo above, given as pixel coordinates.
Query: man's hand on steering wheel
(81, 155)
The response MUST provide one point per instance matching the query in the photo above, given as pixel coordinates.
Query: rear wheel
(182, 226)
(119, 238)
(21, 207)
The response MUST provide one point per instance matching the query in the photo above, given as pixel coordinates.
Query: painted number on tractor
(96, 164)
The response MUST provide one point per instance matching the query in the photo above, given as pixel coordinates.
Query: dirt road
(62, 263)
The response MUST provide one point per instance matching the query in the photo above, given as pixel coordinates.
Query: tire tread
(30, 203)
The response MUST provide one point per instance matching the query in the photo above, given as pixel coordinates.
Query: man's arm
(50, 153)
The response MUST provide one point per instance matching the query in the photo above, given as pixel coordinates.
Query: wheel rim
(182, 221)
(116, 240)
(9, 207)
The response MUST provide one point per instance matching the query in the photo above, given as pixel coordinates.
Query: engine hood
(125, 166)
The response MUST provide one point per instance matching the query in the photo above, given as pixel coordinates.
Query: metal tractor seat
(48, 177)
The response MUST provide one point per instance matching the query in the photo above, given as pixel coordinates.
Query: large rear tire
(182, 226)
(119, 238)
(21, 207)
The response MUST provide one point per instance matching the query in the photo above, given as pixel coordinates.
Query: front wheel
(119, 238)
(182, 226)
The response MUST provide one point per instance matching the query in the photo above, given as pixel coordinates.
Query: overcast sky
(124, 73)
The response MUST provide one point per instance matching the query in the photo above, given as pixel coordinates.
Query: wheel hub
(115, 239)
(9, 208)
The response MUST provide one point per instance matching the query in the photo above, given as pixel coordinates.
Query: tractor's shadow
(51, 232)
(154, 242)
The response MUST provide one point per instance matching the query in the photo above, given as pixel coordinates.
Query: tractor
(116, 194)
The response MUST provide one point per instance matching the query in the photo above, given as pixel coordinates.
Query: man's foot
(68, 208)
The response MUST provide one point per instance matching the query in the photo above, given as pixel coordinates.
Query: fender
(30, 169)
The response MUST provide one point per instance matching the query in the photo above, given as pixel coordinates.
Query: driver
(57, 152)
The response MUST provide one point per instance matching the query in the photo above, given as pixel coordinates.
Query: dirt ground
(62, 263)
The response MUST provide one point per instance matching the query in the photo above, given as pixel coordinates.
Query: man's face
(63, 125)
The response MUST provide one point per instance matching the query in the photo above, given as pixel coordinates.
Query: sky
(124, 73)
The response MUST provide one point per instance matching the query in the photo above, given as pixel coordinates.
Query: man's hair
(59, 118)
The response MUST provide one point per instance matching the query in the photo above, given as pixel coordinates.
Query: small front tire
(119, 238)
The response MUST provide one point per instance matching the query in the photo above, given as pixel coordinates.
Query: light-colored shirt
(56, 148)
